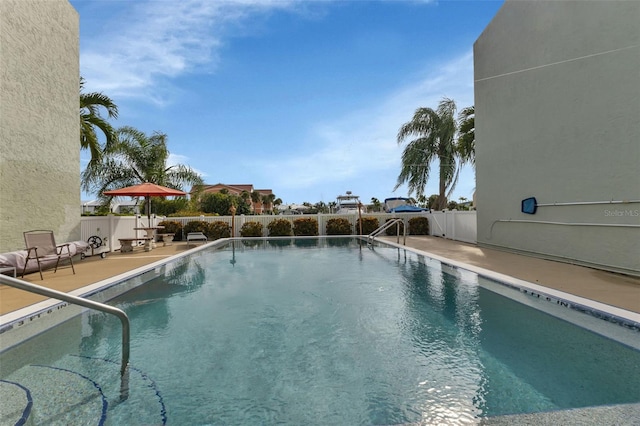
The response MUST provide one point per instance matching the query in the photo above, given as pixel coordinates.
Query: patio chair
(196, 236)
(42, 247)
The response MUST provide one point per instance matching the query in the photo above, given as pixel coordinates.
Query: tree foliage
(165, 207)
(218, 203)
(135, 158)
(436, 135)
(467, 135)
(90, 119)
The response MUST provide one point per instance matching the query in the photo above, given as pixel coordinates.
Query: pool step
(79, 390)
(619, 415)
(15, 404)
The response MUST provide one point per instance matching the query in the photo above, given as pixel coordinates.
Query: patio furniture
(11, 269)
(42, 247)
(151, 231)
(196, 236)
(167, 239)
(127, 246)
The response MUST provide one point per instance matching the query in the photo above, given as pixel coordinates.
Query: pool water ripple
(349, 335)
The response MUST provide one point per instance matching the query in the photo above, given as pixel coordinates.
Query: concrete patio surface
(88, 271)
(609, 288)
(622, 291)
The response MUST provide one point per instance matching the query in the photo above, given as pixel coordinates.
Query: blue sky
(301, 97)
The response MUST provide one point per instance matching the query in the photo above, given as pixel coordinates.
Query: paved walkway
(608, 288)
(88, 271)
(613, 289)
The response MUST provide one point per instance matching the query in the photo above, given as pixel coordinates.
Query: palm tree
(255, 199)
(321, 207)
(434, 132)
(376, 204)
(467, 135)
(272, 201)
(267, 200)
(90, 119)
(136, 158)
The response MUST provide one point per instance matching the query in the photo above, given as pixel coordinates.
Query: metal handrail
(386, 226)
(44, 291)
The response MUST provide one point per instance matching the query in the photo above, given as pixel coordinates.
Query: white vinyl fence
(454, 225)
(110, 228)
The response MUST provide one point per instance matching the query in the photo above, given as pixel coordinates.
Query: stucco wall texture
(557, 100)
(39, 120)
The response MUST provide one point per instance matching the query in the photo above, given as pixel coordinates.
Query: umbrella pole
(148, 203)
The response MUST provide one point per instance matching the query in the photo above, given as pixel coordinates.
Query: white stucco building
(557, 98)
(39, 120)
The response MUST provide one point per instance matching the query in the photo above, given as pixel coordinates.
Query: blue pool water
(317, 332)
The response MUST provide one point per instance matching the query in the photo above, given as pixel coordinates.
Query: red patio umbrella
(146, 190)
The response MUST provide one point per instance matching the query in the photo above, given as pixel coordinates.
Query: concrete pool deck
(611, 289)
(621, 291)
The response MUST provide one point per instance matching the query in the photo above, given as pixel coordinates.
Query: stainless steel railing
(386, 226)
(44, 291)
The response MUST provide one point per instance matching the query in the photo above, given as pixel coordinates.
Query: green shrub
(251, 229)
(338, 226)
(196, 226)
(369, 224)
(217, 230)
(279, 228)
(172, 227)
(419, 226)
(393, 230)
(305, 226)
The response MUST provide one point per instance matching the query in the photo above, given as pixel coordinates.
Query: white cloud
(183, 159)
(152, 41)
(365, 141)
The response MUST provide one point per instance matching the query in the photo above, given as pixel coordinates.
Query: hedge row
(213, 230)
(285, 228)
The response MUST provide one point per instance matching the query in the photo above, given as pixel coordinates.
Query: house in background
(557, 96)
(39, 120)
(237, 189)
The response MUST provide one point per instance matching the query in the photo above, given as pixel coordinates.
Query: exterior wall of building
(39, 120)
(557, 100)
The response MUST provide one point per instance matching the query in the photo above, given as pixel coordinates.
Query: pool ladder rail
(54, 294)
(386, 226)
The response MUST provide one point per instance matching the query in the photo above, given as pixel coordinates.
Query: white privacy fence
(454, 225)
(110, 228)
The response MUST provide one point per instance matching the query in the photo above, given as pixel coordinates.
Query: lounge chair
(196, 236)
(42, 247)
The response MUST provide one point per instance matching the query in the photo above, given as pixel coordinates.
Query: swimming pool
(322, 331)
